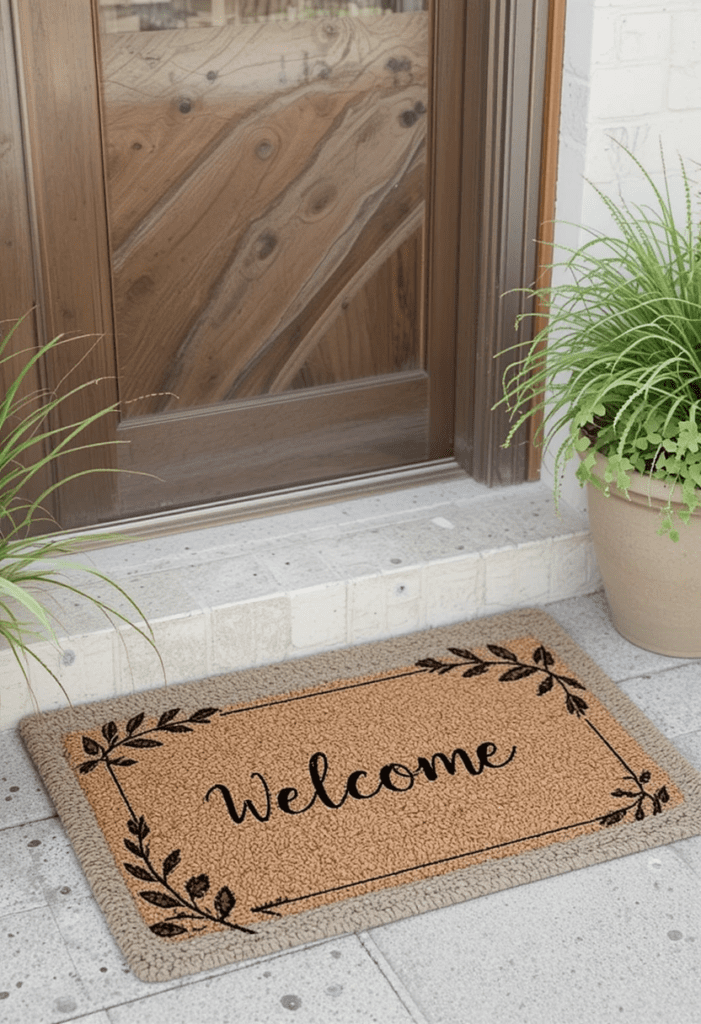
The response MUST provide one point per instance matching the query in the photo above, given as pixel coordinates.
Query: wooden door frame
(65, 191)
(508, 204)
(490, 164)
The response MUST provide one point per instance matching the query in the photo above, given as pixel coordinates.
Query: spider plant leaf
(26, 601)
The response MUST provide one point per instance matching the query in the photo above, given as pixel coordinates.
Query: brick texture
(632, 73)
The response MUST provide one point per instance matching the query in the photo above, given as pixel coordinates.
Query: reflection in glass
(150, 16)
(266, 181)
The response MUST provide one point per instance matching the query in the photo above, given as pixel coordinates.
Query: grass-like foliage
(623, 359)
(28, 444)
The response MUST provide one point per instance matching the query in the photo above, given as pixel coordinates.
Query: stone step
(283, 586)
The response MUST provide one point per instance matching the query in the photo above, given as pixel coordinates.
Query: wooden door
(261, 272)
(198, 202)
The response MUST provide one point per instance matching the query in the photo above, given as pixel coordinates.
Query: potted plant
(623, 372)
(28, 563)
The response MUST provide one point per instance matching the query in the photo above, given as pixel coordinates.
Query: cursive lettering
(393, 777)
(247, 805)
(484, 752)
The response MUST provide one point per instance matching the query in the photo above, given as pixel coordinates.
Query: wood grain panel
(246, 166)
(263, 444)
(168, 95)
(348, 351)
(396, 219)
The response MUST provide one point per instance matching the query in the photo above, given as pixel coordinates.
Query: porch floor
(616, 942)
(619, 941)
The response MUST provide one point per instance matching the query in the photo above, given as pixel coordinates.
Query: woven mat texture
(251, 812)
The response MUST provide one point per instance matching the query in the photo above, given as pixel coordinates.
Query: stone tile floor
(617, 942)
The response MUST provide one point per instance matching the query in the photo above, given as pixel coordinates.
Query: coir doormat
(244, 814)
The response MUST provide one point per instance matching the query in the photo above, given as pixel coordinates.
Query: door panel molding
(66, 191)
(17, 284)
(502, 144)
(443, 223)
(548, 186)
(329, 431)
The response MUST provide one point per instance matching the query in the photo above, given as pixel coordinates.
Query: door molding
(501, 188)
(195, 444)
(66, 189)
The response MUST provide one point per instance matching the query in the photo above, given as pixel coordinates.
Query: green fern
(623, 358)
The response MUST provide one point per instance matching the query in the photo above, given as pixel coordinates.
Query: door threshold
(253, 506)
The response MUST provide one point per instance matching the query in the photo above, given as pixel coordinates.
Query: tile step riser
(205, 641)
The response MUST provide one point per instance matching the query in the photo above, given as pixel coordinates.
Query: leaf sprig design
(542, 662)
(167, 897)
(659, 797)
(170, 898)
(102, 753)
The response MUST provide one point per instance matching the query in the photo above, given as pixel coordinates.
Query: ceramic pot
(653, 585)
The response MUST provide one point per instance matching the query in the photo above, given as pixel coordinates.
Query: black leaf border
(197, 887)
(542, 663)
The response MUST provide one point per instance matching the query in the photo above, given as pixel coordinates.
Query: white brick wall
(632, 72)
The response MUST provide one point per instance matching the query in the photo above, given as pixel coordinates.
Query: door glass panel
(266, 164)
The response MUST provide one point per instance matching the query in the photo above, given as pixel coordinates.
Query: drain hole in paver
(291, 1002)
(65, 1005)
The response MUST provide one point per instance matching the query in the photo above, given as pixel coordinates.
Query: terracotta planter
(653, 586)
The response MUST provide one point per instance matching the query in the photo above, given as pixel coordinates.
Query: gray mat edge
(154, 959)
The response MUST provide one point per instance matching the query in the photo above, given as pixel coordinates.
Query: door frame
(508, 205)
(492, 167)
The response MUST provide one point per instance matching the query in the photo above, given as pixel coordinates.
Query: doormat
(244, 814)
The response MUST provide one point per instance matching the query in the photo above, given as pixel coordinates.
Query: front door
(265, 181)
(266, 198)
(278, 219)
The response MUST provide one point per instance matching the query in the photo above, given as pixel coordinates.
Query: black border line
(428, 864)
(322, 693)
